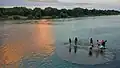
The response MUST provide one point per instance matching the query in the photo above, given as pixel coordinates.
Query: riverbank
(36, 21)
(48, 17)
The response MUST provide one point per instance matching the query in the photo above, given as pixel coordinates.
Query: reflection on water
(24, 40)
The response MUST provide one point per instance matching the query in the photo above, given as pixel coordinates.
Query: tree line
(37, 13)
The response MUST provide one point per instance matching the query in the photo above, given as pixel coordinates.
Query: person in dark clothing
(92, 45)
(76, 40)
(98, 43)
(70, 40)
(70, 45)
(103, 43)
(91, 41)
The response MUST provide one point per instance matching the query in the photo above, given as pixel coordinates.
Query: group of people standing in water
(75, 47)
(100, 45)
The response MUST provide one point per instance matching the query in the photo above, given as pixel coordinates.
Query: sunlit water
(42, 45)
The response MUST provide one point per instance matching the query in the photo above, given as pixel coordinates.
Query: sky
(98, 4)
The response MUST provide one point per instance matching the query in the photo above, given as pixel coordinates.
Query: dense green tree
(63, 13)
(55, 12)
(77, 12)
(0, 13)
(37, 13)
(48, 11)
(69, 12)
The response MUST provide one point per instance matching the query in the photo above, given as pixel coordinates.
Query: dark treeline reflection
(37, 13)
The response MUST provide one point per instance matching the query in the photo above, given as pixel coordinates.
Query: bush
(16, 17)
(30, 17)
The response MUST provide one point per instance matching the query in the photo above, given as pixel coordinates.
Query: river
(42, 45)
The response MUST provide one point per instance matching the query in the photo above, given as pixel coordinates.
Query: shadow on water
(25, 41)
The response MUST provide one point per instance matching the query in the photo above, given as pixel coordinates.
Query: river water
(43, 45)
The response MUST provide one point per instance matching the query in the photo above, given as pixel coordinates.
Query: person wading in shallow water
(98, 43)
(76, 40)
(70, 40)
(91, 42)
(70, 45)
(75, 47)
(103, 43)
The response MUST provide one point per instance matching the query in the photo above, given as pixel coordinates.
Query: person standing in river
(70, 40)
(75, 47)
(76, 40)
(103, 43)
(91, 41)
(70, 45)
(98, 43)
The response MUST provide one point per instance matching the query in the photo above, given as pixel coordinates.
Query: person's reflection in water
(97, 53)
(90, 51)
(75, 48)
(102, 52)
(70, 48)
